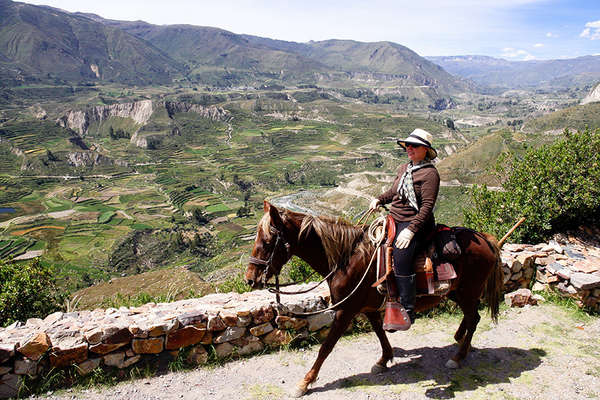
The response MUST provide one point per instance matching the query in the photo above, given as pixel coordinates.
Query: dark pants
(404, 258)
(404, 270)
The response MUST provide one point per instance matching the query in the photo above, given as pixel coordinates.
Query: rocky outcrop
(140, 112)
(91, 159)
(211, 112)
(593, 96)
(79, 121)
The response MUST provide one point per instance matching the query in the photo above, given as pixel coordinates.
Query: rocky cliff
(140, 112)
(211, 112)
(593, 96)
(79, 121)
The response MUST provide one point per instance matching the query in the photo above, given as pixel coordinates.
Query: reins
(376, 239)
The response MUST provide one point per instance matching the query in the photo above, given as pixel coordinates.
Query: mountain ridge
(498, 72)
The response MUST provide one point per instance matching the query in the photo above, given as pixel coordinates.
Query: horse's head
(272, 248)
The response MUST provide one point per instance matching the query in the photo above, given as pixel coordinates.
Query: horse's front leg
(387, 353)
(338, 327)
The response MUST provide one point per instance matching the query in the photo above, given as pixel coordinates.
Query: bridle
(280, 238)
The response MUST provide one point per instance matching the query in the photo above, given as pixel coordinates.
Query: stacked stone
(235, 324)
(572, 268)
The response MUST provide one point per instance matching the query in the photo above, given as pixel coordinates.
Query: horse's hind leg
(340, 323)
(387, 353)
(465, 331)
(462, 329)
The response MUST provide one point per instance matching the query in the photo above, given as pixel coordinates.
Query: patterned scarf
(406, 187)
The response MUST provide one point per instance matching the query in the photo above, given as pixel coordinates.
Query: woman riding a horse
(343, 254)
(412, 197)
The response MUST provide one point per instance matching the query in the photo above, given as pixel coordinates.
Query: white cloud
(538, 45)
(591, 31)
(509, 52)
(551, 35)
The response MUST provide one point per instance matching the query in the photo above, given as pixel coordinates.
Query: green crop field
(190, 194)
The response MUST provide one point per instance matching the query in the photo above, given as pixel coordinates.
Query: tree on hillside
(555, 187)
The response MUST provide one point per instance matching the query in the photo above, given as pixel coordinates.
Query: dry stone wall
(240, 324)
(571, 267)
(231, 323)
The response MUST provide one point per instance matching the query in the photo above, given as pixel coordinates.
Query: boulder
(69, 351)
(103, 348)
(35, 346)
(184, 337)
(229, 319)
(130, 361)
(224, 350)
(261, 315)
(261, 329)
(519, 298)
(148, 346)
(7, 350)
(26, 367)
(193, 318)
(197, 355)
(585, 281)
(277, 337)
(9, 385)
(318, 321)
(114, 359)
(251, 347)
(88, 366)
(93, 336)
(285, 322)
(231, 333)
(215, 323)
(116, 335)
(566, 288)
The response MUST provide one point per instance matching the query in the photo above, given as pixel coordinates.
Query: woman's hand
(404, 238)
(374, 204)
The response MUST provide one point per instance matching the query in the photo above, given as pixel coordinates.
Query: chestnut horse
(326, 244)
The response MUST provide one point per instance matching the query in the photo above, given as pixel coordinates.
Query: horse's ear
(266, 206)
(276, 220)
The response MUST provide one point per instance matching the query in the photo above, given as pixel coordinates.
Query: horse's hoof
(299, 392)
(452, 364)
(378, 369)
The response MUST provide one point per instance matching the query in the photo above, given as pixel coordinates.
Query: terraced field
(99, 206)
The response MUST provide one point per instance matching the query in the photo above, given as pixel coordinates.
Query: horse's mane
(339, 238)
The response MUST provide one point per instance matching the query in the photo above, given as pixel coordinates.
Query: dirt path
(540, 352)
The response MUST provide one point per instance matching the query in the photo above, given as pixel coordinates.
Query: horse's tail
(495, 281)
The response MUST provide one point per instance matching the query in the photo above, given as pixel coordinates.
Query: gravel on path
(542, 352)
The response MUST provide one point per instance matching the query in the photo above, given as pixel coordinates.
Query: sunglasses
(414, 146)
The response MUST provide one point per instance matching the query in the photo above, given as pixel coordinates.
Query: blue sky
(510, 29)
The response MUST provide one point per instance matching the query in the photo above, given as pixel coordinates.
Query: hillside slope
(575, 118)
(43, 42)
(203, 48)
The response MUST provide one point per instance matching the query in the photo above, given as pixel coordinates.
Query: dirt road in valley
(542, 352)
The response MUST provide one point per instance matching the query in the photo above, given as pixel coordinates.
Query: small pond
(7, 210)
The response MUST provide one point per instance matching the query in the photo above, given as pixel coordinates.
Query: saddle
(434, 272)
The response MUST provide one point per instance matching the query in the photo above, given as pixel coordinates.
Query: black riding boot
(407, 294)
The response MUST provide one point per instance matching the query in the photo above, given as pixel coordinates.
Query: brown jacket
(426, 182)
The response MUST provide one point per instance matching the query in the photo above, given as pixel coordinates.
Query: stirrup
(396, 318)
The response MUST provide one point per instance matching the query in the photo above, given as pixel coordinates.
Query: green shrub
(555, 187)
(27, 291)
(299, 270)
